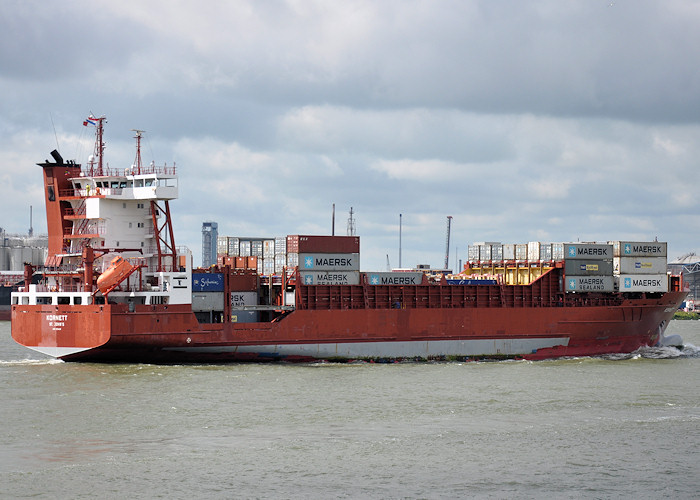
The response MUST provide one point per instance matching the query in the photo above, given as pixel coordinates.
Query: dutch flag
(88, 120)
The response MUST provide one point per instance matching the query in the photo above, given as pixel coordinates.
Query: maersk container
(330, 277)
(584, 267)
(643, 283)
(639, 249)
(329, 261)
(397, 278)
(240, 299)
(591, 251)
(640, 265)
(323, 244)
(238, 302)
(207, 282)
(590, 283)
(207, 301)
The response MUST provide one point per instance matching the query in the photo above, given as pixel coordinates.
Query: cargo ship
(116, 288)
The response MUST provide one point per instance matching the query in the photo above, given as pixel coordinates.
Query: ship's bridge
(153, 183)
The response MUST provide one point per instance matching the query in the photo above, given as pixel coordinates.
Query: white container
(640, 265)
(643, 283)
(509, 252)
(533, 251)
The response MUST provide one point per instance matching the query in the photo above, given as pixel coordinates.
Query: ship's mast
(99, 145)
(137, 161)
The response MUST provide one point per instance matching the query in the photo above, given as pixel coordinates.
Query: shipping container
(292, 260)
(509, 252)
(207, 282)
(222, 245)
(269, 266)
(558, 251)
(584, 267)
(233, 247)
(484, 252)
(521, 251)
(643, 283)
(256, 248)
(244, 248)
(280, 263)
(330, 277)
(473, 253)
(546, 252)
(207, 301)
(243, 280)
(590, 283)
(238, 301)
(330, 261)
(592, 251)
(280, 245)
(397, 278)
(639, 249)
(640, 265)
(533, 251)
(241, 262)
(252, 262)
(323, 244)
(268, 248)
(497, 252)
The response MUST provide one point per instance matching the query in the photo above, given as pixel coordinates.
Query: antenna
(58, 148)
(31, 227)
(333, 224)
(351, 224)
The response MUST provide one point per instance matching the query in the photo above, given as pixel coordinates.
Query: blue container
(207, 282)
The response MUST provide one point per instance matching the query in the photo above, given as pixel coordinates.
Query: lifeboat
(118, 270)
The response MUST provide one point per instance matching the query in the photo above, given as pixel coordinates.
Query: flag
(89, 120)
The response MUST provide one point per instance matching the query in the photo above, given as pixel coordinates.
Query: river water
(620, 426)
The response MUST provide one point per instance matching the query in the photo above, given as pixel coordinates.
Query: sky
(545, 120)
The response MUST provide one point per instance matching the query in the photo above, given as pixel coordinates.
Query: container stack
(208, 296)
(641, 266)
(588, 267)
(325, 260)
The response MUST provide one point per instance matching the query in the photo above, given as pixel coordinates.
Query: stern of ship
(61, 331)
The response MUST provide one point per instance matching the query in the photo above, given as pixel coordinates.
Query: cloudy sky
(544, 120)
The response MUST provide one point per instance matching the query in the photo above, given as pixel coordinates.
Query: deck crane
(447, 242)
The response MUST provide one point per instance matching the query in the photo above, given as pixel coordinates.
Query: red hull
(172, 333)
